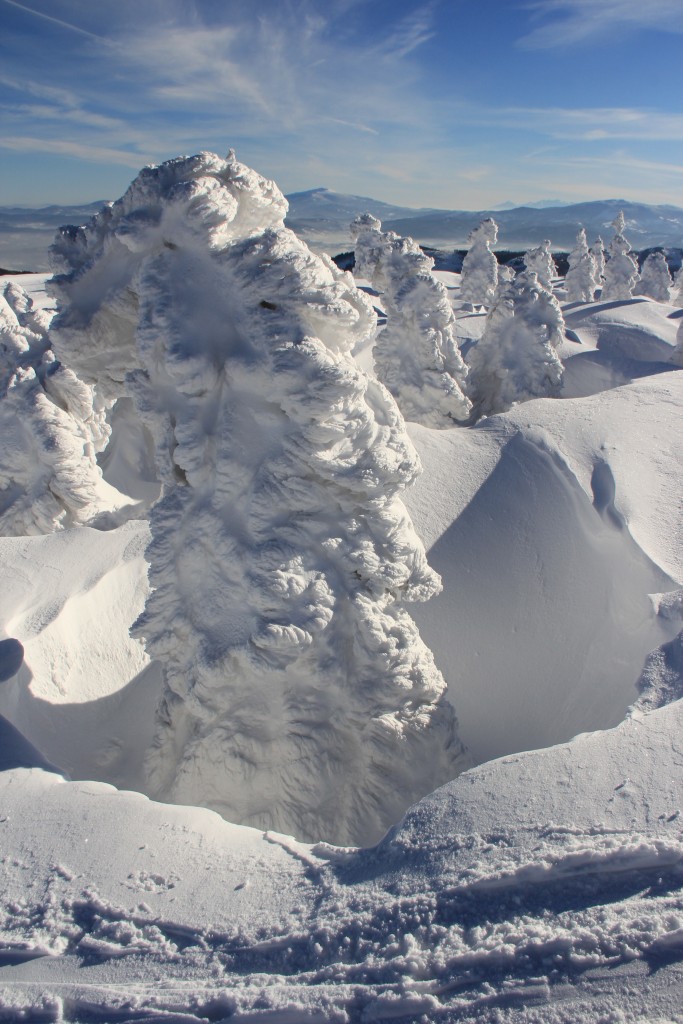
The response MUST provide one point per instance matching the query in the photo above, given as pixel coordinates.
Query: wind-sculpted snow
(480, 268)
(621, 270)
(298, 694)
(516, 357)
(416, 355)
(52, 426)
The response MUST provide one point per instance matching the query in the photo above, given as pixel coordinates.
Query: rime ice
(298, 693)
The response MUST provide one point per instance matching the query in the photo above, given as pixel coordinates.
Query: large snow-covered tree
(298, 693)
(621, 270)
(516, 358)
(581, 278)
(479, 272)
(655, 278)
(52, 427)
(540, 262)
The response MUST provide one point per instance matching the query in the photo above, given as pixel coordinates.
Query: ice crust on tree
(655, 278)
(52, 427)
(298, 693)
(540, 262)
(416, 354)
(479, 274)
(581, 278)
(621, 270)
(516, 357)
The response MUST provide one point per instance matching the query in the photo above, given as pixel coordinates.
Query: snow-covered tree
(540, 262)
(416, 355)
(677, 289)
(581, 278)
(52, 426)
(597, 251)
(479, 272)
(621, 269)
(369, 246)
(516, 357)
(655, 278)
(298, 693)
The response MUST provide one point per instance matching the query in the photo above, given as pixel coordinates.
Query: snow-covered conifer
(416, 355)
(298, 693)
(52, 426)
(516, 357)
(581, 278)
(369, 245)
(655, 278)
(541, 263)
(621, 269)
(677, 288)
(597, 251)
(479, 272)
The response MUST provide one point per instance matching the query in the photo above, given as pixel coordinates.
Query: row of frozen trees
(615, 273)
(416, 354)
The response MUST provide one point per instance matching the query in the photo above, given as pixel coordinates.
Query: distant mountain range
(322, 217)
(321, 211)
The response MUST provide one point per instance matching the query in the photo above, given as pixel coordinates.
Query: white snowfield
(544, 885)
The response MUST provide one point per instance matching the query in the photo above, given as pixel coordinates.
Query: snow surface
(541, 887)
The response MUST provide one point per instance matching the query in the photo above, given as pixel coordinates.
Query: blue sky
(449, 103)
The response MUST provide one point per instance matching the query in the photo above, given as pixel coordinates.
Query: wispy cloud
(564, 22)
(83, 151)
(54, 21)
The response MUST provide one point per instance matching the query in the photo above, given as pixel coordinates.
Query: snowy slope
(495, 899)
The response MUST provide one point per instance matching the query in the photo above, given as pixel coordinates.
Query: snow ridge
(298, 693)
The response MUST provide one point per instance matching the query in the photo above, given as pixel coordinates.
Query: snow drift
(298, 694)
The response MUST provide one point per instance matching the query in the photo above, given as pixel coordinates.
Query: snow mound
(567, 520)
(298, 693)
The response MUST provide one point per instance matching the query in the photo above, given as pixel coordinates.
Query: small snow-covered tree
(597, 251)
(516, 358)
(677, 289)
(655, 278)
(52, 426)
(416, 355)
(621, 270)
(540, 262)
(370, 244)
(298, 694)
(479, 272)
(581, 278)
